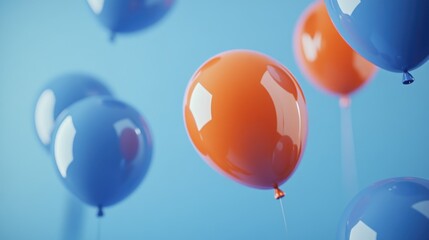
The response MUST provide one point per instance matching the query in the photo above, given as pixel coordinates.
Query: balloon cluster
(246, 114)
(101, 146)
(392, 35)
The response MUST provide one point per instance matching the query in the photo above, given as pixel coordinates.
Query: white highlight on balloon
(422, 207)
(348, 6)
(96, 5)
(362, 231)
(63, 149)
(311, 45)
(44, 116)
(201, 106)
(281, 98)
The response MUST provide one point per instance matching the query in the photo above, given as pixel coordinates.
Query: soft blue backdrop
(182, 198)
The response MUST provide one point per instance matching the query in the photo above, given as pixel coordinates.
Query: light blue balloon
(392, 34)
(392, 209)
(102, 148)
(60, 93)
(126, 16)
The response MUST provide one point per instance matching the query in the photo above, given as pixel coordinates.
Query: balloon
(246, 115)
(392, 34)
(102, 148)
(126, 16)
(59, 94)
(325, 57)
(392, 209)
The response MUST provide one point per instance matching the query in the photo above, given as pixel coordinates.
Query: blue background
(182, 197)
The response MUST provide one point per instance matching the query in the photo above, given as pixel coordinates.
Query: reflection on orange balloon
(325, 57)
(246, 115)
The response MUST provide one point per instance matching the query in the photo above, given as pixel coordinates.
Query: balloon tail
(407, 78)
(284, 215)
(112, 37)
(100, 212)
(74, 219)
(278, 193)
(345, 101)
(99, 228)
(348, 149)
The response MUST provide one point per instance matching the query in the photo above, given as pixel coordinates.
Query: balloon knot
(100, 212)
(278, 193)
(345, 101)
(407, 78)
(112, 37)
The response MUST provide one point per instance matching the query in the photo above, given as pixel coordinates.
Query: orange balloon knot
(345, 101)
(278, 193)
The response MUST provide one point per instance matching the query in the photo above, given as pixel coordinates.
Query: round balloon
(57, 95)
(392, 34)
(125, 16)
(102, 148)
(325, 57)
(246, 115)
(392, 209)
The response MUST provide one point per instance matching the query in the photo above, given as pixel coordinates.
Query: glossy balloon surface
(102, 148)
(246, 115)
(325, 57)
(59, 94)
(392, 209)
(123, 16)
(392, 34)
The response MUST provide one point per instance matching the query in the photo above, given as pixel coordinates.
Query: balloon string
(99, 228)
(74, 218)
(348, 150)
(284, 215)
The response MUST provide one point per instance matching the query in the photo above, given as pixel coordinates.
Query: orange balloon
(246, 115)
(325, 57)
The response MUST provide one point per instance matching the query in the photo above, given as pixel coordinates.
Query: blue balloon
(102, 148)
(57, 95)
(125, 16)
(392, 34)
(392, 209)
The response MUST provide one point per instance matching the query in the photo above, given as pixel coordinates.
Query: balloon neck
(345, 101)
(278, 193)
(100, 212)
(407, 78)
(112, 37)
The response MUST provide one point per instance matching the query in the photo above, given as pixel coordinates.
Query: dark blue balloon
(59, 94)
(125, 16)
(392, 209)
(393, 34)
(102, 148)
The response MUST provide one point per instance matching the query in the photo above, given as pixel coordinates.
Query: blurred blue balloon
(392, 209)
(393, 34)
(125, 16)
(102, 148)
(59, 94)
